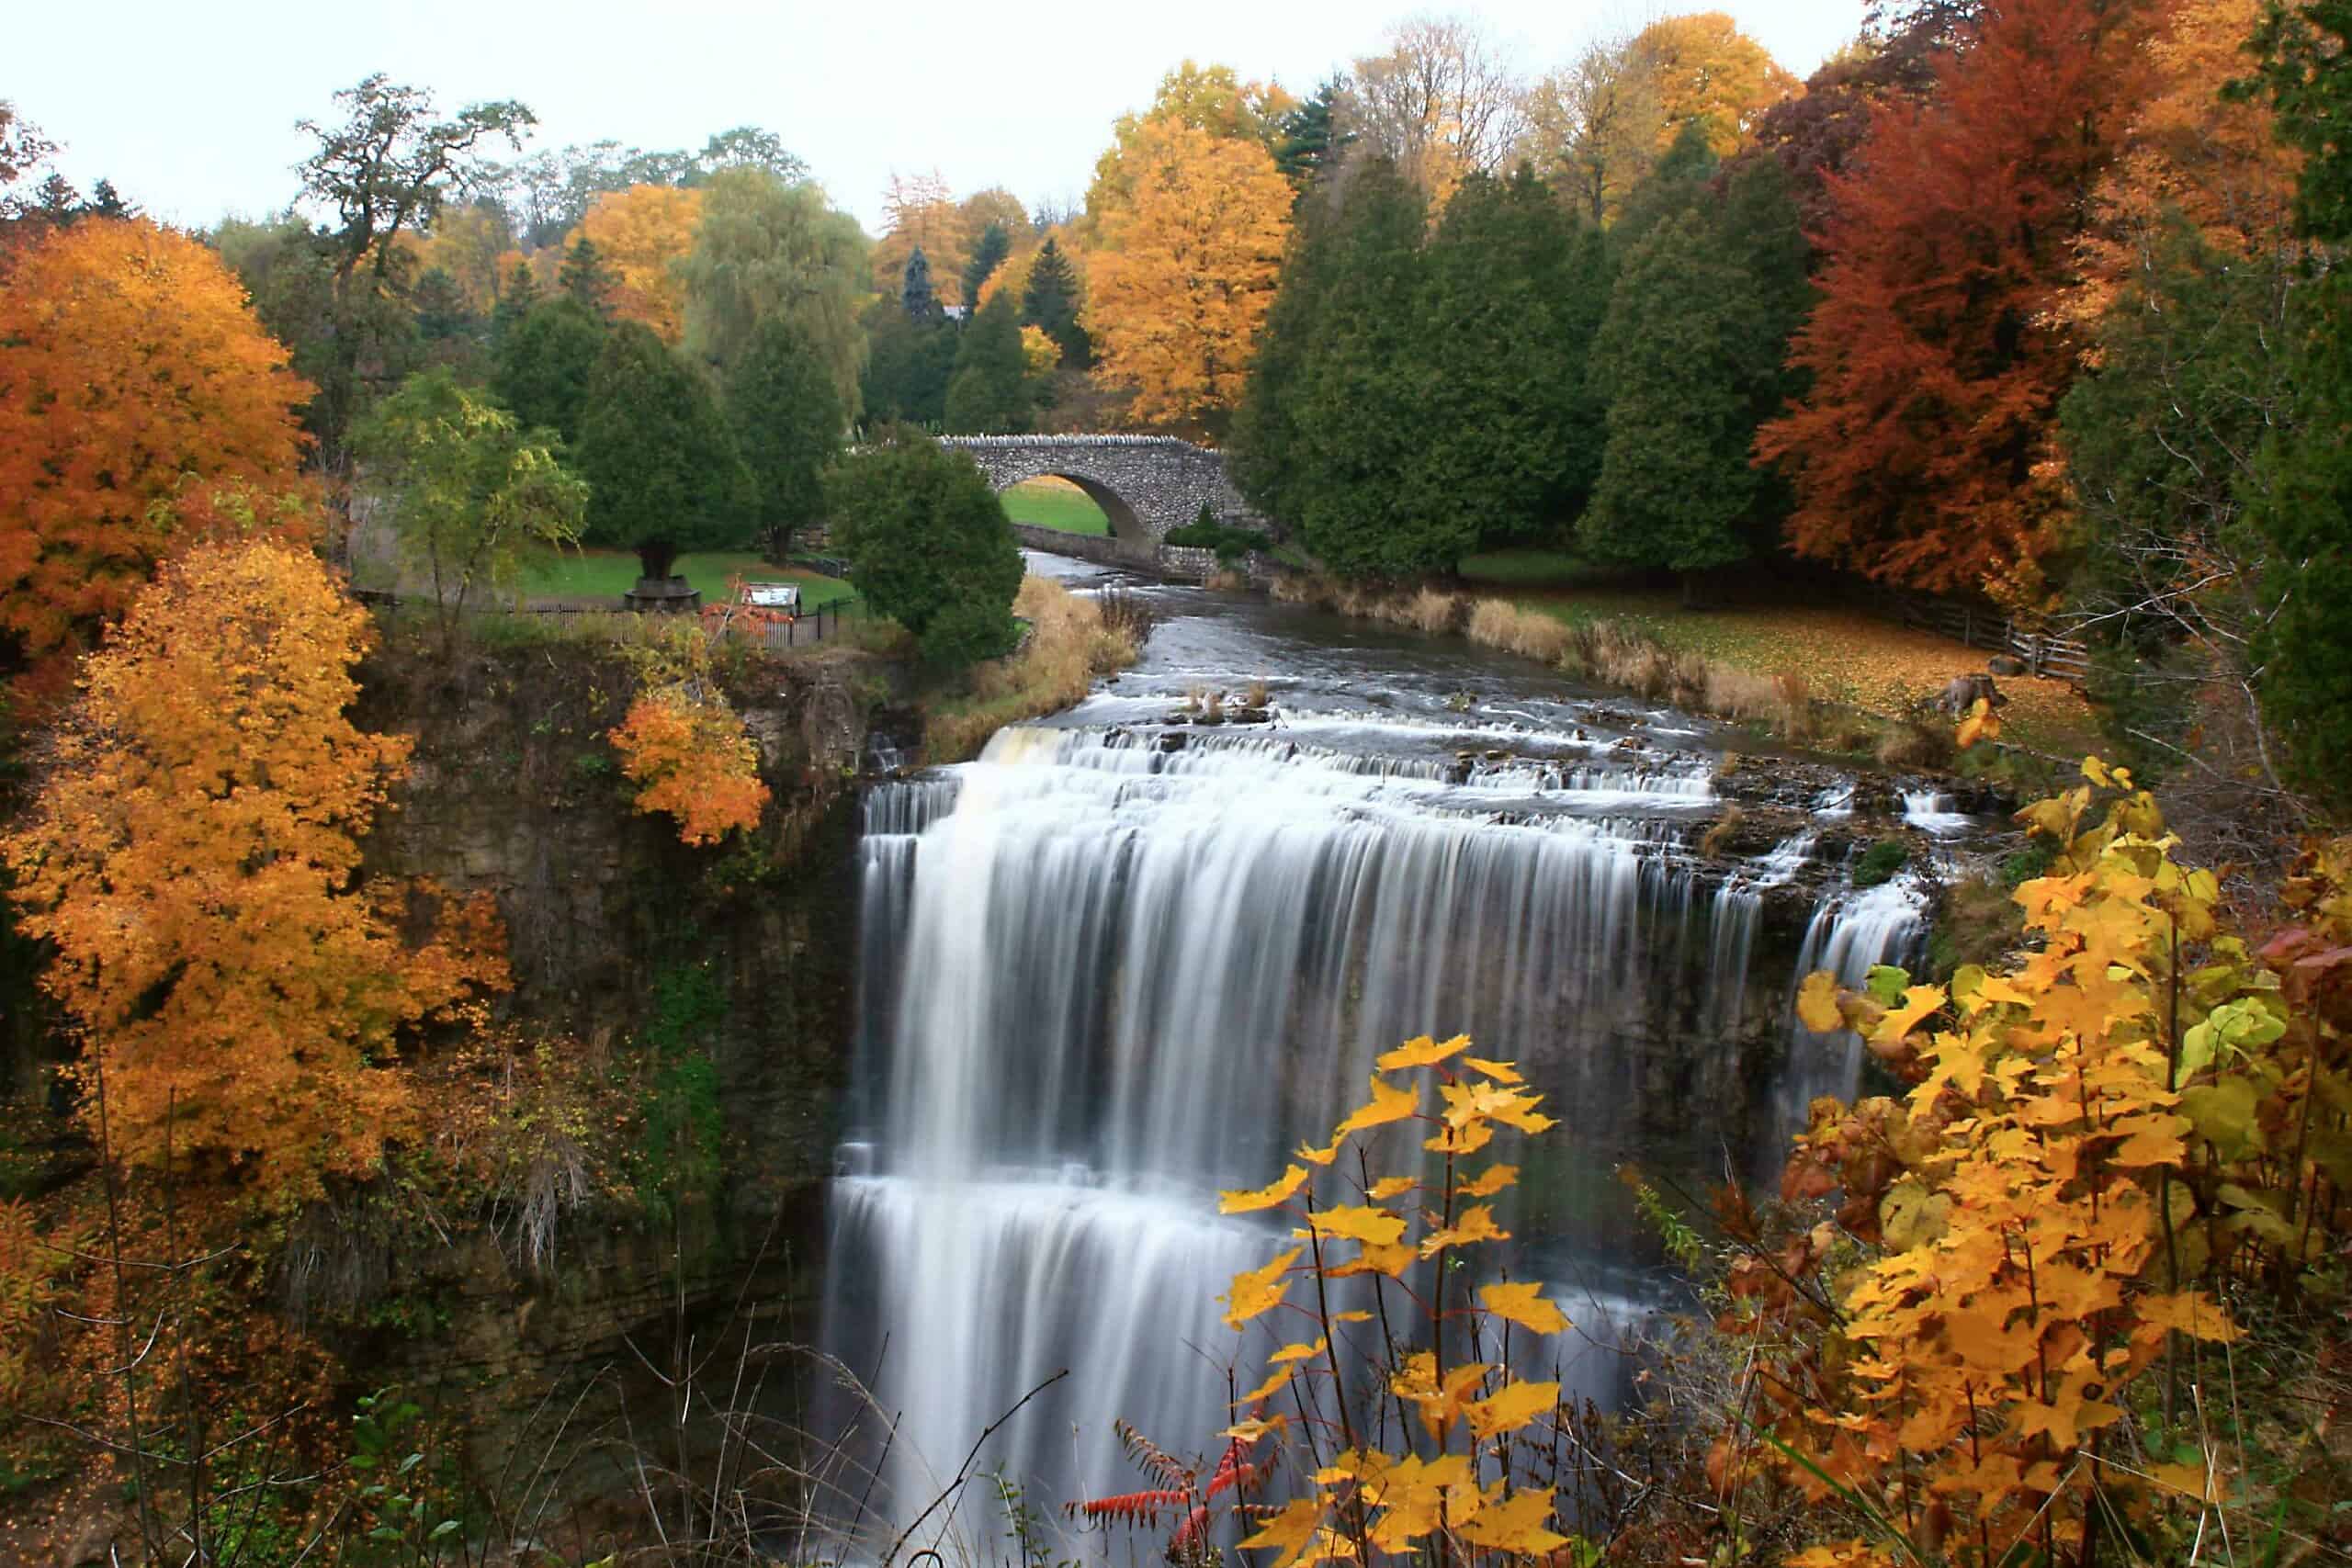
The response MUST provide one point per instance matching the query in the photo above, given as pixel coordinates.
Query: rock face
(514, 789)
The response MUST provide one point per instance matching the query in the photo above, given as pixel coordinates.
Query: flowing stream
(1114, 965)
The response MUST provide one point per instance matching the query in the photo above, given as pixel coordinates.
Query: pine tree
(987, 254)
(1690, 360)
(1310, 137)
(544, 364)
(788, 422)
(1509, 301)
(2300, 494)
(1050, 303)
(915, 294)
(988, 394)
(584, 278)
(441, 313)
(906, 366)
(516, 297)
(661, 465)
(1363, 395)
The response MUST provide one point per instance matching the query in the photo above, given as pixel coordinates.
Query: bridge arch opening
(1125, 527)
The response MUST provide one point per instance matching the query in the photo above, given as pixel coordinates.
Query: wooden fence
(2042, 652)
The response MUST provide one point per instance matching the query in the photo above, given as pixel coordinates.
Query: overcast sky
(190, 109)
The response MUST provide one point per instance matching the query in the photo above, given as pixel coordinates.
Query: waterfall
(1932, 811)
(1851, 931)
(1107, 971)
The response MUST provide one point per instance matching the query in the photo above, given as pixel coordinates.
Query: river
(1117, 965)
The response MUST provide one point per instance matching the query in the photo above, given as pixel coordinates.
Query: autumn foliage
(689, 754)
(1181, 287)
(2104, 1143)
(193, 858)
(129, 367)
(643, 233)
(1921, 454)
(1471, 1480)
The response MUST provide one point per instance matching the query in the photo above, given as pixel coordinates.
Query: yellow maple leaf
(1817, 1003)
(1982, 724)
(1423, 1051)
(1374, 1227)
(1256, 1292)
(1251, 1431)
(1475, 1223)
(1462, 1139)
(1489, 1181)
(1502, 1072)
(1918, 1002)
(1524, 1305)
(1512, 1407)
(1290, 1531)
(1374, 1259)
(1390, 1187)
(2192, 1313)
(1273, 1384)
(1518, 1526)
(1300, 1352)
(1265, 1197)
(1388, 1103)
(1323, 1156)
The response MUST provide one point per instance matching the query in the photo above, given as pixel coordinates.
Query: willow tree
(767, 249)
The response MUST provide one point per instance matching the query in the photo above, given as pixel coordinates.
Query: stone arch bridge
(1145, 484)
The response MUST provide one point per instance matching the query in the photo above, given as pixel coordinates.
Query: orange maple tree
(1181, 287)
(130, 362)
(1920, 455)
(193, 857)
(691, 757)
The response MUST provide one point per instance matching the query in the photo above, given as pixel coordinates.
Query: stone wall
(1146, 484)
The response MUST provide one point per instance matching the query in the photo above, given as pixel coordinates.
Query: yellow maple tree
(1180, 286)
(641, 233)
(1703, 69)
(193, 858)
(2105, 1140)
(131, 364)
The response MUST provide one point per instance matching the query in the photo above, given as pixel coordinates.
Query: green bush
(1879, 863)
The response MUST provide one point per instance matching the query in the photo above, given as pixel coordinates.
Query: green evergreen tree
(584, 278)
(1362, 392)
(1691, 360)
(989, 252)
(441, 313)
(664, 472)
(988, 392)
(544, 364)
(1262, 450)
(929, 545)
(2300, 494)
(1510, 435)
(788, 423)
(516, 297)
(1050, 304)
(1310, 137)
(906, 366)
(915, 293)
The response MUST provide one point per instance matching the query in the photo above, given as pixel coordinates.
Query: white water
(1102, 979)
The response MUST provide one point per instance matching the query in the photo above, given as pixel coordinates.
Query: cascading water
(1112, 967)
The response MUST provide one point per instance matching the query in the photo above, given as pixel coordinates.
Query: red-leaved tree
(1920, 455)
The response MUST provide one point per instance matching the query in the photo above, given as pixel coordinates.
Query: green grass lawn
(608, 574)
(1053, 504)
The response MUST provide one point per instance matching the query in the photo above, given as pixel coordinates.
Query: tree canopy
(131, 368)
(929, 545)
(664, 476)
(788, 423)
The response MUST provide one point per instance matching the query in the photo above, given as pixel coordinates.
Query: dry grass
(1612, 652)
(1071, 641)
(1916, 741)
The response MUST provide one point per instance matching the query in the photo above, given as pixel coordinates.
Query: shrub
(1879, 863)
